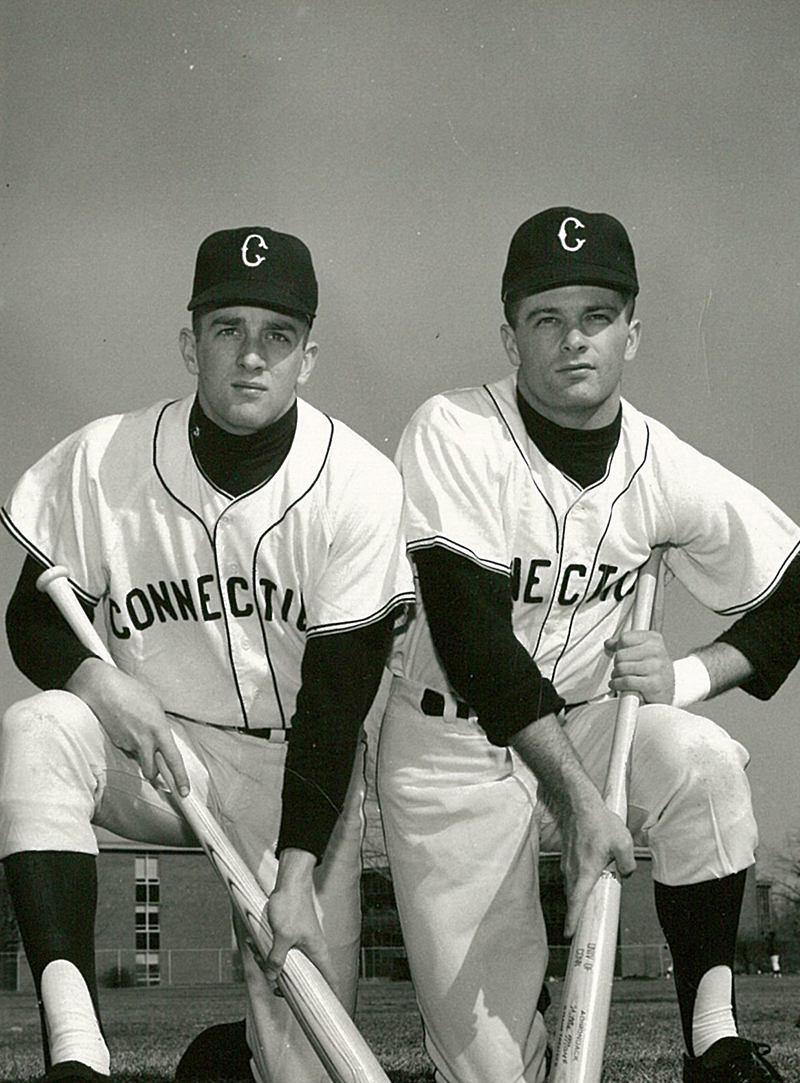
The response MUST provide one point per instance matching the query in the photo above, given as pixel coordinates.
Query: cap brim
(556, 277)
(260, 294)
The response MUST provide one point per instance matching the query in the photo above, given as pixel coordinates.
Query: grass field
(149, 1028)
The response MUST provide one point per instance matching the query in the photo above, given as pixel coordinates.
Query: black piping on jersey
(254, 572)
(40, 557)
(559, 538)
(216, 487)
(352, 625)
(561, 555)
(577, 484)
(210, 537)
(516, 443)
(589, 488)
(238, 496)
(166, 487)
(600, 541)
(440, 542)
(766, 592)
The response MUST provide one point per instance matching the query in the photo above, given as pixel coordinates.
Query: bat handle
(50, 575)
(646, 586)
(615, 791)
(55, 582)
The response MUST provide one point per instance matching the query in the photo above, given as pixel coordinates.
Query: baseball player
(242, 547)
(530, 504)
(774, 954)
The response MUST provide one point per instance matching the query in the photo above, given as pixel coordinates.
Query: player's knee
(693, 749)
(45, 722)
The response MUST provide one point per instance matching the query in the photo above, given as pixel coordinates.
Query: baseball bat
(330, 1030)
(586, 998)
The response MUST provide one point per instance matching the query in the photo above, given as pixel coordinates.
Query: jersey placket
(240, 600)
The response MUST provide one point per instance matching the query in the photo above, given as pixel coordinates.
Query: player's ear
(188, 347)
(633, 340)
(509, 340)
(310, 351)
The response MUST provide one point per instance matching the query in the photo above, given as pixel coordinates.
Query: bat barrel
(586, 997)
(588, 981)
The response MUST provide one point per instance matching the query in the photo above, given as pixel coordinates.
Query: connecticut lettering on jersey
(144, 606)
(234, 587)
(535, 586)
(477, 485)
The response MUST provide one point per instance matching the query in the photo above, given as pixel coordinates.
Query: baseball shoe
(73, 1071)
(216, 1054)
(731, 1060)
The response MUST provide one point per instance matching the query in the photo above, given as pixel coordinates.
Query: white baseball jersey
(210, 599)
(477, 485)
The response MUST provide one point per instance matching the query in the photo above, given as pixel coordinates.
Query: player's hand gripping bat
(583, 1018)
(341, 1048)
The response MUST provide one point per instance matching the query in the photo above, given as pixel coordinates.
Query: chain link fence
(220, 966)
(632, 961)
(120, 967)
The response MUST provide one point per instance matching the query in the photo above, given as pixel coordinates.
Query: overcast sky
(405, 140)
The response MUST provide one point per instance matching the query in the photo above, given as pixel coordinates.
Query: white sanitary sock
(712, 1018)
(73, 1032)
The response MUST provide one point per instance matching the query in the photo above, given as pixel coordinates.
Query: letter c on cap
(254, 262)
(562, 235)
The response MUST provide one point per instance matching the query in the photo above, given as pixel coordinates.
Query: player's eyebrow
(276, 324)
(282, 325)
(542, 311)
(599, 306)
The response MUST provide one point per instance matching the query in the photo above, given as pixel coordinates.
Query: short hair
(512, 304)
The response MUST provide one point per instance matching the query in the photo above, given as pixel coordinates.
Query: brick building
(163, 918)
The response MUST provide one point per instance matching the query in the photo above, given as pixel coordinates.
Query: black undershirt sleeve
(340, 678)
(769, 636)
(469, 612)
(42, 644)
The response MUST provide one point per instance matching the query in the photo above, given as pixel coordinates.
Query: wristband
(692, 681)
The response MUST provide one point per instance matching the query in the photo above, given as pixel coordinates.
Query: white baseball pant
(59, 773)
(463, 828)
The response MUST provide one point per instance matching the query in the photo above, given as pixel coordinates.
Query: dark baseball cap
(254, 265)
(564, 246)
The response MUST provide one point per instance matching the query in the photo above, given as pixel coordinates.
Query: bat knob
(58, 571)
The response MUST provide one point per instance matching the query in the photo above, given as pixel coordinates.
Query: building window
(148, 925)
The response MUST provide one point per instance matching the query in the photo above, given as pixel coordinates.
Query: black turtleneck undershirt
(340, 672)
(582, 455)
(469, 608)
(237, 464)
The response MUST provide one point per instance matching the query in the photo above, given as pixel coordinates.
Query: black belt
(571, 706)
(266, 733)
(432, 704)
